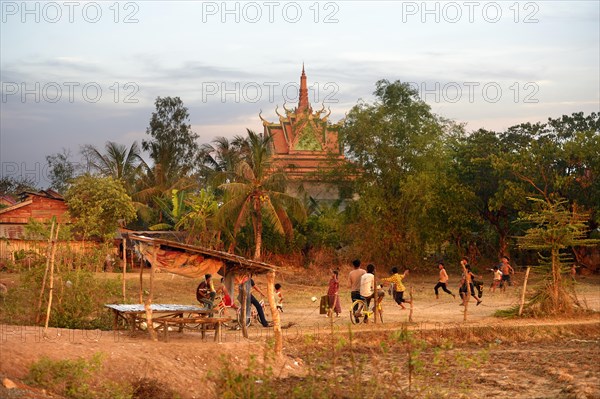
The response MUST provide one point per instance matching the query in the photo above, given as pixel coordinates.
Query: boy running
(396, 279)
(442, 282)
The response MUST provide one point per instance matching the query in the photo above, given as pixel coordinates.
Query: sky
(82, 72)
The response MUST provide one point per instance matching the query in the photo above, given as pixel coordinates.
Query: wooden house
(40, 206)
(6, 201)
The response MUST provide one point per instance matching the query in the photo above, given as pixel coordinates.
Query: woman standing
(333, 294)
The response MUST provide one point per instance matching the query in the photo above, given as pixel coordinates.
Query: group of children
(361, 284)
(206, 294)
(500, 280)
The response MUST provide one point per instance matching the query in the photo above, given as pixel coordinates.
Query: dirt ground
(516, 368)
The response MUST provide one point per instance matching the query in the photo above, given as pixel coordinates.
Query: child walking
(333, 292)
(279, 297)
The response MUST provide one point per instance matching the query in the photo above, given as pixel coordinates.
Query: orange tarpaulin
(180, 262)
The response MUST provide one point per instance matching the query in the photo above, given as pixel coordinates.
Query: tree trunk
(274, 313)
(502, 244)
(556, 280)
(258, 230)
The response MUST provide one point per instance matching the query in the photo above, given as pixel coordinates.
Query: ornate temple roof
(304, 141)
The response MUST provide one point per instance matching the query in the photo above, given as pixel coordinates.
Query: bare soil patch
(485, 357)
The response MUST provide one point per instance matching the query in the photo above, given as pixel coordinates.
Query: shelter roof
(231, 261)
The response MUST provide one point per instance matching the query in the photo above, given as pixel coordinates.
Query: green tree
(390, 143)
(200, 221)
(174, 151)
(496, 195)
(117, 161)
(98, 206)
(258, 194)
(559, 158)
(62, 170)
(322, 228)
(222, 157)
(172, 211)
(13, 186)
(173, 144)
(555, 230)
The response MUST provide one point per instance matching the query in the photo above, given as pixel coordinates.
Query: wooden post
(148, 303)
(142, 280)
(524, 290)
(375, 298)
(124, 268)
(274, 313)
(51, 278)
(468, 293)
(48, 251)
(244, 296)
(410, 296)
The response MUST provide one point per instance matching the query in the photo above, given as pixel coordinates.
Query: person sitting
(205, 293)
(367, 285)
(226, 298)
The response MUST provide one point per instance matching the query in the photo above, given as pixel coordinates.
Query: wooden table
(165, 315)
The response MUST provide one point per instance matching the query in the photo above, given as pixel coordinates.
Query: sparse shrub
(248, 383)
(75, 379)
(78, 300)
(146, 388)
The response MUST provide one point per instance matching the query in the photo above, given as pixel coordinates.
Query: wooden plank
(204, 322)
(192, 320)
(157, 307)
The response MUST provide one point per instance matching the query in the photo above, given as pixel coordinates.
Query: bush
(75, 379)
(145, 388)
(78, 300)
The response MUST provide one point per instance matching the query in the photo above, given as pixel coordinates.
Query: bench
(203, 322)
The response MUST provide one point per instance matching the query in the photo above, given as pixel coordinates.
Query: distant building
(306, 146)
(40, 206)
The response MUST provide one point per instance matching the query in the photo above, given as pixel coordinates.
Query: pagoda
(305, 145)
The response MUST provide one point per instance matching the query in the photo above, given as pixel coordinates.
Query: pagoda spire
(303, 103)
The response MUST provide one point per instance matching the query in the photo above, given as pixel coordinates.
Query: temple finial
(303, 95)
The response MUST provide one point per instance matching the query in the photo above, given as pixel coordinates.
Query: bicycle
(233, 313)
(362, 314)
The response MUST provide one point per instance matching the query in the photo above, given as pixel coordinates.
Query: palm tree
(221, 158)
(258, 192)
(117, 162)
(155, 187)
(199, 222)
(192, 213)
(172, 210)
